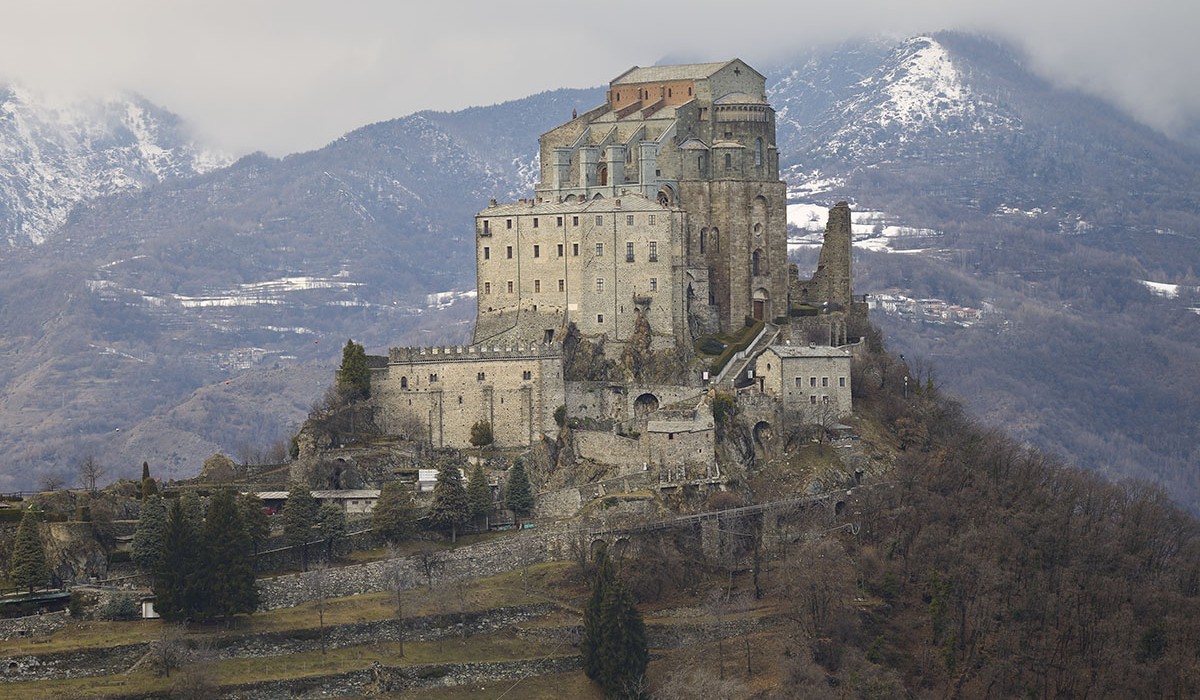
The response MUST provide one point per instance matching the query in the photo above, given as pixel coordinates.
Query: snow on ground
(1169, 291)
(872, 230)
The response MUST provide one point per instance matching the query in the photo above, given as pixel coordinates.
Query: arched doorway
(761, 304)
(762, 432)
(602, 174)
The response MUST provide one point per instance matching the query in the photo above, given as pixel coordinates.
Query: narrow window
(758, 152)
(560, 222)
(537, 249)
(432, 378)
(535, 222)
(460, 400)
(599, 284)
(560, 250)
(510, 286)
(841, 381)
(599, 250)
(629, 219)
(728, 162)
(824, 381)
(537, 285)
(652, 219)
(653, 251)
(797, 382)
(575, 249)
(703, 235)
(813, 399)
(562, 285)
(527, 375)
(480, 377)
(654, 284)
(508, 252)
(574, 220)
(628, 251)
(824, 398)
(487, 287)
(508, 223)
(487, 253)
(599, 318)
(599, 220)
(403, 382)
(486, 228)
(812, 381)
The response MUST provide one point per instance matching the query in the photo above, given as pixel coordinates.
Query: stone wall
(467, 562)
(613, 450)
(448, 390)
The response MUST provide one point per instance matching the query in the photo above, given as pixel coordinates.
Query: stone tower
(698, 138)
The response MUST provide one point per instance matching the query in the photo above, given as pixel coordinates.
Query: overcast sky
(290, 75)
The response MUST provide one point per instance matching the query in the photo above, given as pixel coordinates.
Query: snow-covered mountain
(54, 157)
(206, 312)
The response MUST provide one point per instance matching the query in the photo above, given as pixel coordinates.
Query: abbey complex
(648, 270)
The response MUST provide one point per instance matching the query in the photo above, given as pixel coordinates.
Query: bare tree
(398, 581)
(90, 473)
(51, 482)
(169, 651)
(318, 587)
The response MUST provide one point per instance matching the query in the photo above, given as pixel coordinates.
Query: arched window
(703, 236)
(754, 258)
(758, 152)
(728, 161)
(403, 382)
(715, 241)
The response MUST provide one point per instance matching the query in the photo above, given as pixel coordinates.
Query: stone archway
(762, 432)
(645, 404)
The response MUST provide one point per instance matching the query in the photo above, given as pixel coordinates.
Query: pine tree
(450, 508)
(150, 535)
(228, 574)
(299, 519)
(394, 514)
(258, 526)
(518, 494)
(615, 654)
(175, 583)
(354, 374)
(479, 492)
(29, 569)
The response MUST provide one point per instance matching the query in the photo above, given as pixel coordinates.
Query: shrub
(118, 606)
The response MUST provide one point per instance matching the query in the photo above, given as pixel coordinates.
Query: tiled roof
(654, 74)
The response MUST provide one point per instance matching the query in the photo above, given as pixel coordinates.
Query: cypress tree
(479, 492)
(299, 519)
(331, 525)
(254, 516)
(228, 575)
(354, 374)
(149, 485)
(176, 581)
(450, 508)
(150, 535)
(615, 654)
(193, 510)
(518, 494)
(394, 514)
(29, 569)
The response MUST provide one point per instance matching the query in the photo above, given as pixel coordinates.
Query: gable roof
(654, 74)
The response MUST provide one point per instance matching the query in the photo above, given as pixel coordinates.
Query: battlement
(461, 353)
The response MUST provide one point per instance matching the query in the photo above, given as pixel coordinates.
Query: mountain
(153, 305)
(54, 157)
(1047, 207)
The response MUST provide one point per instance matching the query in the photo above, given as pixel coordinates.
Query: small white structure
(350, 500)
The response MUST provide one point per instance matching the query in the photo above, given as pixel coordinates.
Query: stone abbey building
(662, 206)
